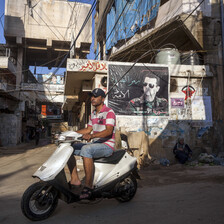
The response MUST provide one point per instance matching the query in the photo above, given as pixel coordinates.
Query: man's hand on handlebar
(87, 137)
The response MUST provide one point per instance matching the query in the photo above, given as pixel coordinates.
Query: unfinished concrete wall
(101, 15)
(212, 38)
(47, 20)
(8, 129)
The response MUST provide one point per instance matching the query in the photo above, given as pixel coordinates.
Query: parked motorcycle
(114, 177)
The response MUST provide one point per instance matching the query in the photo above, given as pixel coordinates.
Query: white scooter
(114, 177)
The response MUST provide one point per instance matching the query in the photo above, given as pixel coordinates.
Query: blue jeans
(92, 150)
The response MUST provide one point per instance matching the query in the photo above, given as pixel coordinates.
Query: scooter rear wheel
(127, 189)
(39, 201)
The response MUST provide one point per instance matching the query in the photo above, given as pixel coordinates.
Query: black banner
(143, 91)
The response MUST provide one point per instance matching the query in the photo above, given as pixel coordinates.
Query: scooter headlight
(61, 138)
(69, 138)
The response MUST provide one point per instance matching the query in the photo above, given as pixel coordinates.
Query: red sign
(44, 110)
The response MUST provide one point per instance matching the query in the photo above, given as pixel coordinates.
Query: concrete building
(39, 33)
(47, 95)
(9, 101)
(181, 38)
(188, 112)
(187, 25)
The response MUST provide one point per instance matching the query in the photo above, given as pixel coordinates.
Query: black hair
(150, 74)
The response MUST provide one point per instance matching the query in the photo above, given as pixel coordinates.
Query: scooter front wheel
(126, 189)
(39, 201)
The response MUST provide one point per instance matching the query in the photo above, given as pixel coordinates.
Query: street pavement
(166, 195)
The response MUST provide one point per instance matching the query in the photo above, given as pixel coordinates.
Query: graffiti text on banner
(94, 66)
(84, 65)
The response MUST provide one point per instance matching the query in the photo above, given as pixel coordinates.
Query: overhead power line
(80, 31)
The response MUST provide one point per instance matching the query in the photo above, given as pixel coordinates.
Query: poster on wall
(50, 79)
(202, 111)
(139, 90)
(177, 102)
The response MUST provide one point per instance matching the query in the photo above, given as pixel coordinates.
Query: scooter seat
(113, 159)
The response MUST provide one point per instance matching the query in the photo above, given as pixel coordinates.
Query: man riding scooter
(101, 130)
(112, 177)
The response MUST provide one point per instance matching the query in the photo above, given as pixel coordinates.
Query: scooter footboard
(57, 161)
(106, 173)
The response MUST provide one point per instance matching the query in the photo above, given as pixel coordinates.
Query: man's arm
(103, 134)
(85, 130)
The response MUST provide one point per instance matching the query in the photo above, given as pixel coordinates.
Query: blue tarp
(134, 15)
(110, 34)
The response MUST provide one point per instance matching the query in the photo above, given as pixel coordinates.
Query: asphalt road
(166, 195)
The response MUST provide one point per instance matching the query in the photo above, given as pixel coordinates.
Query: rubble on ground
(206, 158)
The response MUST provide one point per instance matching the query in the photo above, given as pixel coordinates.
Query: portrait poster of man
(143, 91)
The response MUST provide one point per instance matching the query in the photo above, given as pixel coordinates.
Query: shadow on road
(23, 147)
(4, 176)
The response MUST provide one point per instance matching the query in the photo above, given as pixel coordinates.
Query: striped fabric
(99, 121)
